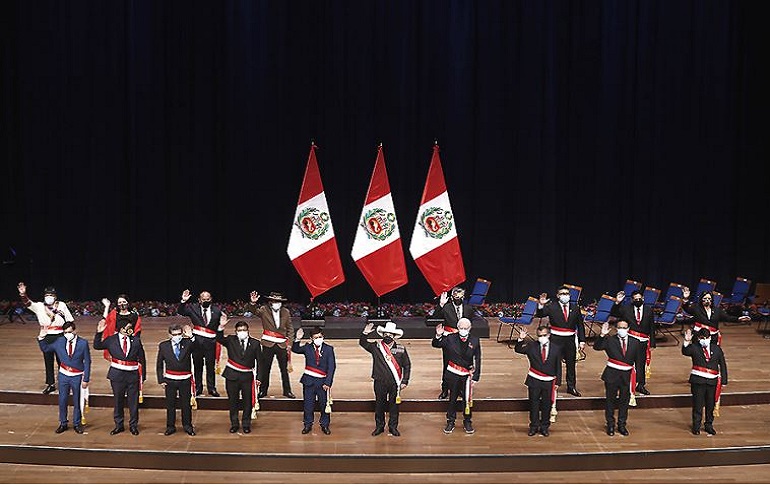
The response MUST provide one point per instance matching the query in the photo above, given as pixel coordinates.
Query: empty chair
(574, 293)
(479, 292)
(527, 313)
(629, 287)
(740, 291)
(717, 298)
(674, 290)
(665, 322)
(601, 315)
(651, 296)
(705, 285)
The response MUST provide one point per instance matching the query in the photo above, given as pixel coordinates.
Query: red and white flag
(434, 246)
(312, 245)
(377, 248)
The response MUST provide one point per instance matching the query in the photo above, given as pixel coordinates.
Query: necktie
(544, 354)
(205, 316)
(244, 343)
(317, 356)
(564, 309)
(176, 350)
(638, 315)
(458, 311)
(623, 344)
(125, 346)
(69, 348)
(706, 352)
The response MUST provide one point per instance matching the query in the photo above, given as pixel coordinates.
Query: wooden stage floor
(659, 449)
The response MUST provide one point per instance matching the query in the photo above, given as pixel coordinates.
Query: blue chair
(602, 314)
(674, 290)
(717, 298)
(527, 314)
(704, 285)
(479, 292)
(665, 322)
(740, 291)
(574, 293)
(629, 287)
(651, 296)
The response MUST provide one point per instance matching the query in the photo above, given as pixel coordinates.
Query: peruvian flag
(312, 245)
(434, 246)
(377, 248)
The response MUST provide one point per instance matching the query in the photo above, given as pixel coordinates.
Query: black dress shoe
(532, 431)
(134, 430)
(261, 394)
(544, 432)
(169, 431)
(394, 432)
(610, 430)
(190, 432)
(325, 430)
(710, 430)
(695, 431)
(622, 430)
(641, 389)
(378, 431)
(247, 430)
(61, 428)
(574, 391)
(213, 393)
(48, 389)
(443, 395)
(234, 429)
(290, 395)
(117, 430)
(78, 429)
(198, 392)
(306, 429)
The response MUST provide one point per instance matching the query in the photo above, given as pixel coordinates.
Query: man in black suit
(566, 321)
(174, 369)
(205, 319)
(127, 372)
(543, 377)
(451, 310)
(622, 354)
(462, 371)
(641, 320)
(706, 316)
(243, 355)
(707, 377)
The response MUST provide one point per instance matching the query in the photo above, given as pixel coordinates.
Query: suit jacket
(716, 362)
(449, 314)
(81, 354)
(167, 360)
(698, 312)
(249, 358)
(551, 366)
(574, 321)
(628, 313)
(467, 355)
(380, 369)
(265, 314)
(326, 363)
(192, 310)
(135, 353)
(611, 345)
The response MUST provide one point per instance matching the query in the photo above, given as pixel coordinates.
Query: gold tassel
(632, 401)
(194, 402)
(716, 408)
(554, 413)
(141, 397)
(218, 369)
(648, 371)
(398, 398)
(329, 401)
(290, 368)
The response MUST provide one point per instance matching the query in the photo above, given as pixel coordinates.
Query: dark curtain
(153, 146)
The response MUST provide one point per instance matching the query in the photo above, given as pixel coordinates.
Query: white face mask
(318, 341)
(242, 335)
(49, 299)
(543, 339)
(622, 332)
(564, 299)
(275, 305)
(463, 332)
(69, 336)
(705, 342)
(176, 339)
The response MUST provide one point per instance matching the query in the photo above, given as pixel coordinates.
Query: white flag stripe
(363, 244)
(299, 244)
(422, 243)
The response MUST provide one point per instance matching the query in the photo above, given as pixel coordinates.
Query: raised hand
(688, 334)
(686, 293)
(101, 325)
(605, 329)
(522, 334)
(106, 303)
(619, 298)
(22, 288)
(186, 295)
(443, 299)
(254, 296)
(224, 320)
(299, 334)
(439, 329)
(543, 298)
(369, 328)
(187, 331)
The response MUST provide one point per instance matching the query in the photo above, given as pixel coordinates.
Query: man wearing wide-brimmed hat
(390, 370)
(277, 336)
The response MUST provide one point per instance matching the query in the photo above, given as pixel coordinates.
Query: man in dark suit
(707, 377)
(243, 355)
(543, 377)
(451, 310)
(277, 333)
(391, 368)
(126, 374)
(622, 354)
(641, 320)
(462, 371)
(566, 321)
(205, 319)
(174, 370)
(706, 316)
(74, 371)
(317, 380)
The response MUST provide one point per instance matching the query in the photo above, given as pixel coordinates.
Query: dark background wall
(149, 146)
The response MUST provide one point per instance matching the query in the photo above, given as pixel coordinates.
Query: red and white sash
(204, 332)
(273, 336)
(709, 374)
(238, 367)
(619, 365)
(395, 369)
(124, 365)
(314, 372)
(69, 371)
(449, 330)
(713, 330)
(455, 368)
(640, 336)
(539, 375)
(177, 375)
(562, 331)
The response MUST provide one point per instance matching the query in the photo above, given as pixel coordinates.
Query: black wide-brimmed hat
(276, 296)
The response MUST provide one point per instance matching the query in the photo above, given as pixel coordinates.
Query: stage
(660, 447)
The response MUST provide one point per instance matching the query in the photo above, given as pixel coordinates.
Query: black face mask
(387, 339)
(457, 301)
(206, 304)
(638, 302)
(122, 307)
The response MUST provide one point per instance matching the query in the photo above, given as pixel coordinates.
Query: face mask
(122, 307)
(564, 299)
(69, 336)
(49, 299)
(242, 335)
(638, 303)
(457, 301)
(318, 341)
(543, 339)
(464, 332)
(707, 303)
(387, 339)
(622, 332)
(176, 339)
(206, 304)
(705, 342)
(275, 305)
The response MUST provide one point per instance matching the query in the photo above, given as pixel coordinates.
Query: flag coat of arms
(377, 247)
(434, 246)
(312, 245)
